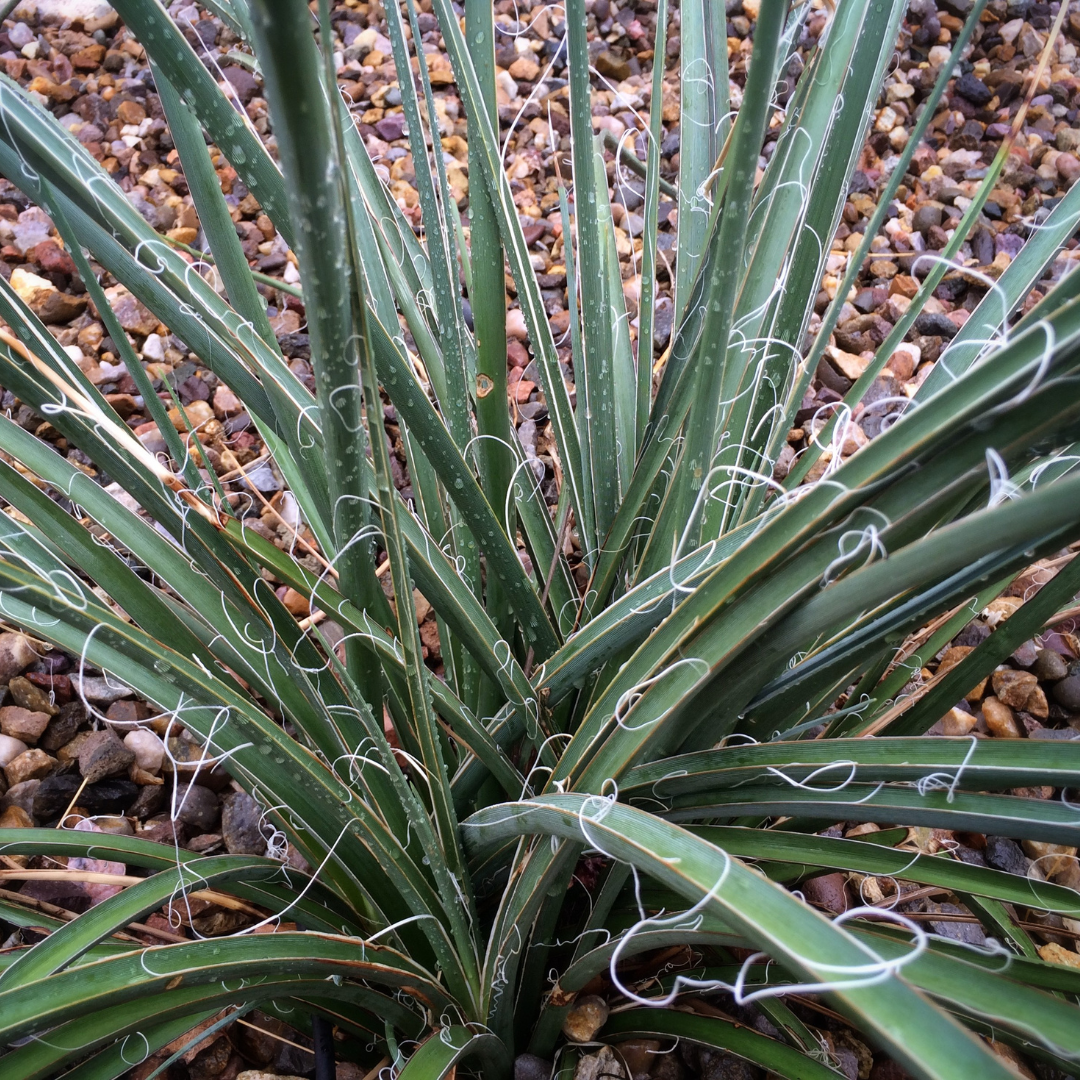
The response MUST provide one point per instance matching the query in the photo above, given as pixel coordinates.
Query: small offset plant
(686, 722)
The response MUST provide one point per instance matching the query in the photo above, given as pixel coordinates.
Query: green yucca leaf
(797, 937)
(602, 637)
(764, 1052)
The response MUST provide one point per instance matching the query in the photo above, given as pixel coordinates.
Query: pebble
(115, 824)
(585, 1018)
(532, 1067)
(1056, 734)
(243, 82)
(904, 360)
(149, 800)
(10, 748)
(32, 764)
(15, 817)
(663, 322)
(22, 724)
(926, 217)
(263, 478)
(1004, 854)
(21, 795)
(639, 1056)
(957, 722)
(1049, 666)
(1053, 953)
(1068, 167)
(524, 69)
(827, 891)
(973, 88)
(16, 655)
(515, 324)
(32, 697)
(951, 657)
(1013, 687)
(1000, 719)
(259, 1074)
(936, 324)
(1052, 858)
(1066, 692)
(226, 403)
(133, 316)
(67, 894)
(391, 127)
(70, 751)
(148, 749)
(970, 933)
(1025, 655)
(1037, 705)
(111, 796)
(197, 806)
(517, 354)
(20, 35)
(241, 825)
(153, 348)
(603, 1065)
(46, 301)
(53, 796)
(99, 690)
(64, 726)
(58, 687)
(103, 754)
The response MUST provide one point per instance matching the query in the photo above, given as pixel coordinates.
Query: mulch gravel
(78, 749)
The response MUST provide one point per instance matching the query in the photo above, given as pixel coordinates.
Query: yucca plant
(691, 717)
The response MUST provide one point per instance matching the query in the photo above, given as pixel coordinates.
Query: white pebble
(515, 324)
(153, 348)
(148, 749)
(505, 82)
(10, 749)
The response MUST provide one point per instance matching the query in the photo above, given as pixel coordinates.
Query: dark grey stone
(1049, 666)
(1067, 692)
(63, 726)
(1004, 854)
(198, 807)
(531, 1067)
(970, 86)
(926, 217)
(149, 801)
(935, 324)
(103, 754)
(241, 825)
(105, 797)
